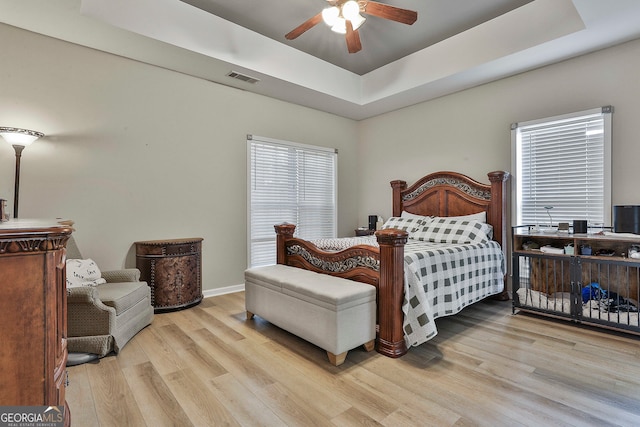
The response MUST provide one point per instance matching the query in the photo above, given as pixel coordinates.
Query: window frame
(300, 231)
(606, 113)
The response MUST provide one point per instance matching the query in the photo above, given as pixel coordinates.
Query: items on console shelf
(626, 219)
(552, 250)
(605, 252)
(579, 226)
(530, 245)
(3, 215)
(597, 298)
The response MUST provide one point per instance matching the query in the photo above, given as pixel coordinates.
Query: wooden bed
(437, 194)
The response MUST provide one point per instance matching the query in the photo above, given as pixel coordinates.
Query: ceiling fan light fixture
(357, 21)
(340, 26)
(330, 15)
(350, 10)
(344, 17)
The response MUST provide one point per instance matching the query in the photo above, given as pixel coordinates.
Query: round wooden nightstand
(172, 268)
(364, 232)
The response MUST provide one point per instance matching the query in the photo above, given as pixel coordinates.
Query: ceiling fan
(344, 17)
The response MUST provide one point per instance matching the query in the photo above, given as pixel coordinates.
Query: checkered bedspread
(440, 279)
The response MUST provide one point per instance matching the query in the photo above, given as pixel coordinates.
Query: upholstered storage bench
(335, 314)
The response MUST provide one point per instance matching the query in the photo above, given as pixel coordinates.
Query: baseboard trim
(222, 291)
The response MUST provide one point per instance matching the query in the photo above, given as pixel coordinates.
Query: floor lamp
(18, 138)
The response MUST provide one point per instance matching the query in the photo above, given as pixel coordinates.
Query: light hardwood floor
(207, 366)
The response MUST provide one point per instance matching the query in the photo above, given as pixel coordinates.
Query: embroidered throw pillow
(83, 272)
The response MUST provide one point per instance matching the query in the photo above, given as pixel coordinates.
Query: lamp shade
(350, 10)
(340, 26)
(17, 136)
(357, 21)
(330, 15)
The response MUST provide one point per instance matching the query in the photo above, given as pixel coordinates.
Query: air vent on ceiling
(243, 77)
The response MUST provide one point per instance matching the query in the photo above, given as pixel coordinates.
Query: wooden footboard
(380, 267)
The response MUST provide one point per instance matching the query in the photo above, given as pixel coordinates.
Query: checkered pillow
(410, 225)
(480, 217)
(447, 230)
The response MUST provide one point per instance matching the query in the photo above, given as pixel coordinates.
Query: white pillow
(83, 272)
(448, 230)
(405, 214)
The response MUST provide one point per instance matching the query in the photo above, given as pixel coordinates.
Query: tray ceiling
(455, 44)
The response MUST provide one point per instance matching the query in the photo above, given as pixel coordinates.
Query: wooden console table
(585, 278)
(173, 270)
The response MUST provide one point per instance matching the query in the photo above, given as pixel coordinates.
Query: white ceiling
(455, 44)
(383, 41)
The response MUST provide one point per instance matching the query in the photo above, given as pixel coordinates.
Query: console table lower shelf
(173, 270)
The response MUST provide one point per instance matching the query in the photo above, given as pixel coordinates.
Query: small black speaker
(626, 219)
(579, 226)
(373, 219)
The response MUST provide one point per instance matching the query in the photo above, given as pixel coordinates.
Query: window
(288, 182)
(563, 162)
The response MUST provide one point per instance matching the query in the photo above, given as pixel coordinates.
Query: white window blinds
(288, 182)
(563, 162)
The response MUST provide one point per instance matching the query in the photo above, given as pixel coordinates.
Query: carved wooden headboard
(453, 194)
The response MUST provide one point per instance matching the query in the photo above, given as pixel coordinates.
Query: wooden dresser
(173, 270)
(33, 313)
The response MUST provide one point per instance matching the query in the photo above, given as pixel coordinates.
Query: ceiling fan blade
(306, 25)
(353, 39)
(393, 13)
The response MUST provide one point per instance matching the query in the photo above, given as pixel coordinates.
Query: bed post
(498, 218)
(391, 341)
(498, 181)
(284, 232)
(397, 187)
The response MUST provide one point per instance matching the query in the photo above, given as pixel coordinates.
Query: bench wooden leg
(249, 315)
(337, 359)
(370, 345)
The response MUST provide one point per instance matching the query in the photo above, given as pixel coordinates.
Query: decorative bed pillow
(448, 230)
(480, 217)
(83, 272)
(410, 225)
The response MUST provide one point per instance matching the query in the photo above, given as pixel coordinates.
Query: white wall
(135, 152)
(470, 131)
